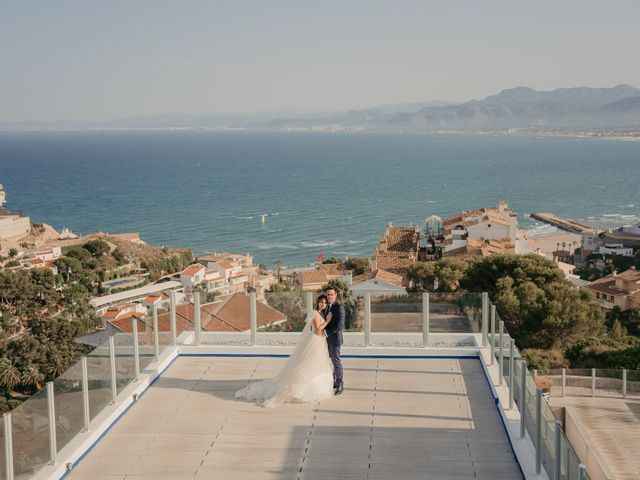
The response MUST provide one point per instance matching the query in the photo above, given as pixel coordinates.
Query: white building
(191, 276)
(48, 254)
(615, 249)
(498, 224)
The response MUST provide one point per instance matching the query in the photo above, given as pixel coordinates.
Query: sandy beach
(547, 244)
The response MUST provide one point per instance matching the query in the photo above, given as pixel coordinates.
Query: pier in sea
(562, 223)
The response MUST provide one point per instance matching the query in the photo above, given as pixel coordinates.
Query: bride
(308, 374)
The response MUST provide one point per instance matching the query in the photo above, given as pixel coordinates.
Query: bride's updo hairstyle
(321, 297)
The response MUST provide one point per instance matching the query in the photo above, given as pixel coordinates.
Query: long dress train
(307, 375)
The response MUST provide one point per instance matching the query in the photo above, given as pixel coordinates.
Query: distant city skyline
(90, 61)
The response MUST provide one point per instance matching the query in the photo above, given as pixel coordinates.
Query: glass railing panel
(145, 342)
(397, 313)
(633, 382)
(125, 363)
(453, 313)
(517, 381)
(530, 407)
(470, 304)
(609, 382)
(578, 381)
(282, 311)
(99, 379)
(356, 323)
(548, 454)
(30, 427)
(67, 390)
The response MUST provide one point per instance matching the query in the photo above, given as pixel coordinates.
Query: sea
(291, 196)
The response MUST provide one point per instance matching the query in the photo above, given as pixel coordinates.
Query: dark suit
(334, 339)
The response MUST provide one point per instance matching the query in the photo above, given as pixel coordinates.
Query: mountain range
(520, 107)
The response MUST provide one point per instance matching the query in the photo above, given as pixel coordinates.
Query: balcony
(440, 399)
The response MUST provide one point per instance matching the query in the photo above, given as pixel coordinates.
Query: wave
(277, 246)
(320, 244)
(244, 218)
(356, 242)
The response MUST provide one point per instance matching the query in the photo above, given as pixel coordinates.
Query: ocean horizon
(318, 192)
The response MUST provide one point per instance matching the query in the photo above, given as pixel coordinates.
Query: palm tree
(9, 374)
(278, 265)
(32, 377)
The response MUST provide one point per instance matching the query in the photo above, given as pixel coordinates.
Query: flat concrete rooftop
(398, 418)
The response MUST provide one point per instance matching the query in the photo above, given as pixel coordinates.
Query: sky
(100, 60)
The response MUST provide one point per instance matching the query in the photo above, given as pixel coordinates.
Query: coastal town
(598, 262)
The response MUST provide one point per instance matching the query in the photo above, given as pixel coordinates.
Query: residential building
(32, 263)
(235, 259)
(397, 249)
(48, 254)
(122, 311)
(314, 280)
(495, 227)
(378, 282)
(480, 248)
(615, 249)
(617, 289)
(191, 276)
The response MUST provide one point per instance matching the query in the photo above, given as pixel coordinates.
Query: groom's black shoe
(339, 389)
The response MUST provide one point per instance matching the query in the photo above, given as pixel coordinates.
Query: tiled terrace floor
(398, 418)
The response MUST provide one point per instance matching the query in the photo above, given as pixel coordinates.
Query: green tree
(81, 254)
(9, 374)
(13, 253)
(539, 307)
(97, 247)
(358, 265)
(345, 297)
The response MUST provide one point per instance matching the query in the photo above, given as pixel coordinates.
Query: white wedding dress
(306, 377)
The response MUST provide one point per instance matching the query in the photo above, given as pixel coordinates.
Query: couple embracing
(309, 374)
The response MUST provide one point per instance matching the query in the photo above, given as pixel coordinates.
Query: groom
(334, 337)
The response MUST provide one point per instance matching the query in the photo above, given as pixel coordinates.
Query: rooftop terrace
(417, 404)
(408, 418)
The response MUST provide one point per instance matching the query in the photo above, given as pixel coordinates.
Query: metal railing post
(85, 393)
(367, 319)
(582, 475)
(593, 382)
(112, 362)
(523, 397)
(172, 316)
(136, 348)
(485, 319)
(564, 381)
(51, 404)
(512, 357)
(538, 443)
(253, 314)
(425, 319)
(309, 301)
(492, 324)
(8, 447)
(500, 347)
(558, 448)
(197, 322)
(624, 382)
(156, 334)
